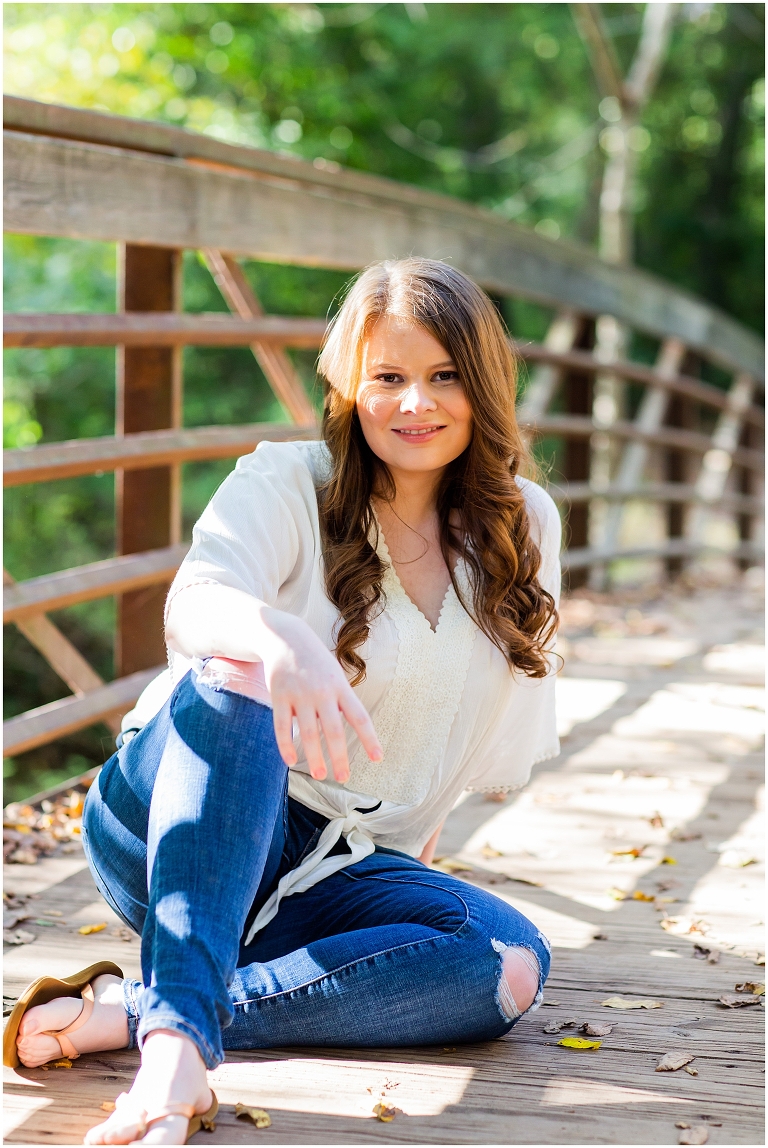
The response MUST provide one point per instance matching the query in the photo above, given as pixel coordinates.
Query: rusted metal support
(148, 399)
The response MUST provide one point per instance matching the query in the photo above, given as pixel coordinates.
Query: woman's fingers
(357, 716)
(333, 731)
(306, 716)
(282, 716)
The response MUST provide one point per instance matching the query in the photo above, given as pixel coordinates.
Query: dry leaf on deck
(751, 987)
(556, 1025)
(760, 960)
(107, 1106)
(448, 865)
(730, 1001)
(622, 1002)
(65, 1062)
(656, 822)
(668, 861)
(694, 1134)
(385, 1112)
(684, 835)
(86, 929)
(674, 1060)
(20, 937)
(617, 893)
(639, 896)
(636, 851)
(259, 1117)
(489, 851)
(597, 1029)
(690, 1070)
(579, 1044)
(711, 956)
(551, 1004)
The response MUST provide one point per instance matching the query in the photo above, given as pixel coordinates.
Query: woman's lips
(417, 434)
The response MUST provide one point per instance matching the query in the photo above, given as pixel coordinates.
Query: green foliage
(494, 103)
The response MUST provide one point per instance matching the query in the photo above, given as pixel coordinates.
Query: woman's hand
(304, 679)
(306, 682)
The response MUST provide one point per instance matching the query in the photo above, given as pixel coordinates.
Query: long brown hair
(502, 560)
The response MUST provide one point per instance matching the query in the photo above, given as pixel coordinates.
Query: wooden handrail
(158, 329)
(219, 330)
(94, 580)
(62, 717)
(665, 492)
(139, 451)
(252, 203)
(672, 548)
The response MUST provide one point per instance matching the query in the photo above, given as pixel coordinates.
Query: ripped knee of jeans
(519, 984)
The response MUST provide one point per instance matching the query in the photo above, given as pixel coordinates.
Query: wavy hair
(494, 539)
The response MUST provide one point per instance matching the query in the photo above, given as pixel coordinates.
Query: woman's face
(411, 402)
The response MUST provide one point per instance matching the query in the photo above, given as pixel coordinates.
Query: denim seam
(350, 965)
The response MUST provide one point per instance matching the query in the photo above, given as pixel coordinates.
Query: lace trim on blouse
(415, 718)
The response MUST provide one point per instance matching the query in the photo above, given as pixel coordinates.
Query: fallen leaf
(691, 1071)
(551, 1004)
(65, 1062)
(20, 937)
(701, 953)
(636, 851)
(674, 1060)
(259, 1117)
(760, 960)
(489, 851)
(639, 896)
(556, 1025)
(623, 1003)
(730, 1001)
(663, 886)
(656, 822)
(694, 1134)
(682, 835)
(617, 894)
(597, 1029)
(86, 929)
(577, 1043)
(107, 1106)
(385, 1113)
(734, 859)
(668, 861)
(751, 987)
(599, 937)
(525, 881)
(447, 865)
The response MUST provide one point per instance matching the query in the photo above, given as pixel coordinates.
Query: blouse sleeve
(250, 535)
(526, 730)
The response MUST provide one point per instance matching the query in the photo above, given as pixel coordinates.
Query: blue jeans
(188, 830)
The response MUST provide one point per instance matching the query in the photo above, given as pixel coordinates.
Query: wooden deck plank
(619, 764)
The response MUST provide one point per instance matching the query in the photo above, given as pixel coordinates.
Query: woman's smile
(418, 435)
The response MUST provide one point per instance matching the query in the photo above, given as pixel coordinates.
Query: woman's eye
(388, 378)
(447, 377)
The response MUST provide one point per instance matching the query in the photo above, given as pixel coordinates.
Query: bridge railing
(688, 447)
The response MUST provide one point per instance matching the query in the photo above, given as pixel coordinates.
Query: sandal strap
(143, 1118)
(67, 1047)
(187, 1110)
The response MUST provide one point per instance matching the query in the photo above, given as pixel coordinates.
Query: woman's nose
(417, 399)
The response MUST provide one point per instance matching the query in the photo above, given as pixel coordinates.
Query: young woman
(376, 612)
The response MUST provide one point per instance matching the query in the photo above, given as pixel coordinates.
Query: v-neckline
(383, 550)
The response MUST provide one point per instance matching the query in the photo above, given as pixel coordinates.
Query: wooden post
(577, 458)
(147, 501)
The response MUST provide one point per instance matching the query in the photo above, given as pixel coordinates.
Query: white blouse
(448, 711)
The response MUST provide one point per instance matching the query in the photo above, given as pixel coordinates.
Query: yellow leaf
(622, 1002)
(107, 1105)
(259, 1117)
(86, 929)
(668, 861)
(635, 852)
(638, 896)
(447, 865)
(65, 1062)
(617, 894)
(578, 1043)
(384, 1113)
(489, 851)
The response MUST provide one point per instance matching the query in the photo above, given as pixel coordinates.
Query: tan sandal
(46, 989)
(143, 1119)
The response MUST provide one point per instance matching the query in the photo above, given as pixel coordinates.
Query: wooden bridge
(662, 733)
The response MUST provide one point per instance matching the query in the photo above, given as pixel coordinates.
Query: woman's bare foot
(172, 1072)
(106, 1027)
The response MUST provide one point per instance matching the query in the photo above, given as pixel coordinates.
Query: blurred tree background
(493, 103)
